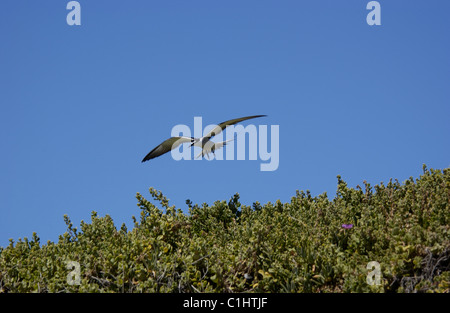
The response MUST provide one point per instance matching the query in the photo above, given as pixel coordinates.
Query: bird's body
(203, 142)
(211, 147)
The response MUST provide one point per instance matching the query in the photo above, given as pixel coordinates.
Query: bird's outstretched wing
(167, 146)
(216, 130)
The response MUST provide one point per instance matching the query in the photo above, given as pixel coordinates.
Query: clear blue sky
(80, 106)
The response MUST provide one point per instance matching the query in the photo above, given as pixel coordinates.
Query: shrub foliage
(312, 244)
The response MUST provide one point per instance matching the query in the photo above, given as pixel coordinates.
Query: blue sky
(80, 106)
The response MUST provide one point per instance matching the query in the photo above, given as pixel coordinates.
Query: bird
(203, 142)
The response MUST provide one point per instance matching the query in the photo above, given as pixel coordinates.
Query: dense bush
(312, 244)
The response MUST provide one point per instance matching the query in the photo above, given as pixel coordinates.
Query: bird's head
(194, 140)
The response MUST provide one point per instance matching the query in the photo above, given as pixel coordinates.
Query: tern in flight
(203, 142)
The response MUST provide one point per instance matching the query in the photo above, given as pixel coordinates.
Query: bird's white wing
(167, 146)
(216, 130)
(219, 145)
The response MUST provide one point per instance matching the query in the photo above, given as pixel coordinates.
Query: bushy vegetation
(312, 244)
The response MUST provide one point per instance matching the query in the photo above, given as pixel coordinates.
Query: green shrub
(299, 246)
